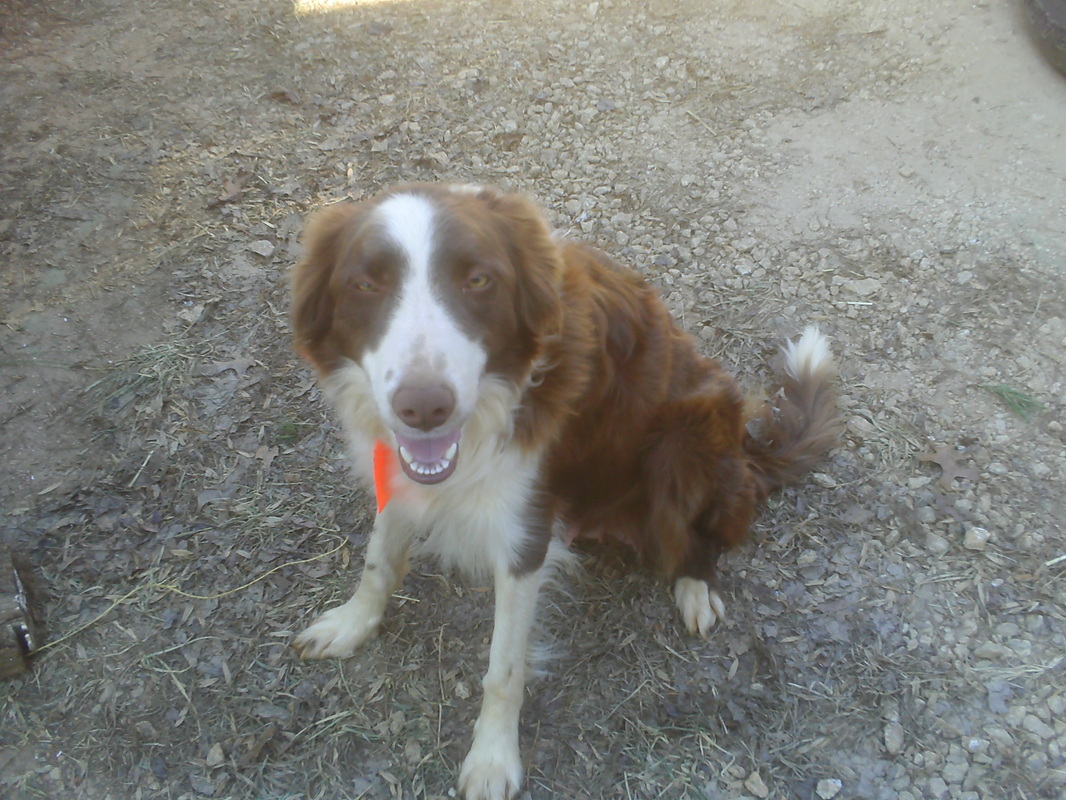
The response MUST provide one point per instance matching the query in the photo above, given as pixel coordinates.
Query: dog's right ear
(312, 301)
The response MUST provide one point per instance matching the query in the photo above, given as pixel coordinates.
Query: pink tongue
(431, 450)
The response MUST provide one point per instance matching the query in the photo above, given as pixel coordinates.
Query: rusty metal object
(19, 637)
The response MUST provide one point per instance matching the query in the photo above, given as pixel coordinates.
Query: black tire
(1047, 21)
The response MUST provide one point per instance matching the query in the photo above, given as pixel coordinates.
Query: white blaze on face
(423, 342)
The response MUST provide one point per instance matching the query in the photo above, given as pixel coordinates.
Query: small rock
(955, 772)
(1023, 647)
(999, 735)
(202, 786)
(192, 314)
(864, 287)
(937, 787)
(894, 738)
(828, 788)
(1034, 724)
(860, 426)
(1036, 763)
(990, 651)
(1057, 705)
(936, 544)
(999, 692)
(823, 480)
(262, 248)
(976, 538)
(756, 786)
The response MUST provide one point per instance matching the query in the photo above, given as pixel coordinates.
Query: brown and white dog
(526, 385)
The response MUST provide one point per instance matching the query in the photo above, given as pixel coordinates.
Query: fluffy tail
(801, 424)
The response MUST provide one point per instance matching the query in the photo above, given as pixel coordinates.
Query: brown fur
(641, 437)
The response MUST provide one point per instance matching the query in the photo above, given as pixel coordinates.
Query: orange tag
(384, 469)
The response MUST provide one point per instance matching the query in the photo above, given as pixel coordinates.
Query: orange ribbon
(384, 469)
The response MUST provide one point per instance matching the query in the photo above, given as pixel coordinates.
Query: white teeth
(429, 469)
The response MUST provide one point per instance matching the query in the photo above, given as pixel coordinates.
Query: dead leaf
(231, 189)
(255, 746)
(286, 96)
(946, 457)
(215, 756)
(267, 455)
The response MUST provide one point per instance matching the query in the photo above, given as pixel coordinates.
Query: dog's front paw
(699, 604)
(492, 770)
(339, 632)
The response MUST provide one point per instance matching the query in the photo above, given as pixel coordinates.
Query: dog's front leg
(493, 768)
(339, 632)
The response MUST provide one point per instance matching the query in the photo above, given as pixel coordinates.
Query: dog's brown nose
(423, 407)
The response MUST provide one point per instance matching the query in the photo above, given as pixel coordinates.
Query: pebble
(976, 538)
(1034, 724)
(894, 738)
(990, 651)
(860, 426)
(828, 788)
(263, 248)
(937, 786)
(954, 772)
(864, 287)
(936, 544)
(756, 786)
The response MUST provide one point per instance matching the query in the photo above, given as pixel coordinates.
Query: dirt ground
(895, 172)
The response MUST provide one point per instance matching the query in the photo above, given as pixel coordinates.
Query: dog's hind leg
(700, 496)
(339, 632)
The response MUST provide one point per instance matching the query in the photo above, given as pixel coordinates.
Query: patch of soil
(893, 172)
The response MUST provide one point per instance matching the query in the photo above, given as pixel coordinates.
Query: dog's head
(428, 291)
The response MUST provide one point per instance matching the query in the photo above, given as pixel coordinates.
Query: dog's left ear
(537, 261)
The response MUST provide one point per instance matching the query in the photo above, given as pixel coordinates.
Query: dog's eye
(367, 287)
(478, 282)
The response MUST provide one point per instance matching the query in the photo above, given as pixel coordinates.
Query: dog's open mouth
(428, 459)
